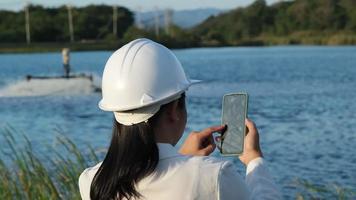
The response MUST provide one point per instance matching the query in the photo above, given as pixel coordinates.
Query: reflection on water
(302, 99)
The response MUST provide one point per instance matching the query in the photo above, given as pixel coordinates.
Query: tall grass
(308, 190)
(28, 174)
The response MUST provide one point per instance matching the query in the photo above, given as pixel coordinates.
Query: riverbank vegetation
(27, 173)
(318, 22)
(312, 22)
(52, 173)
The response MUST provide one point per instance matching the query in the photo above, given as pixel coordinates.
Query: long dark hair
(132, 155)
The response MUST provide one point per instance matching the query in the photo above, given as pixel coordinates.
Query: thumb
(250, 125)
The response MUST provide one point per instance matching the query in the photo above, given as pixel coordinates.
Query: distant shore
(266, 40)
(257, 24)
(57, 47)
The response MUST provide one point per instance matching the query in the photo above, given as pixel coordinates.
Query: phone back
(233, 115)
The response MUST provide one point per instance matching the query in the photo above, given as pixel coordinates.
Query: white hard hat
(138, 78)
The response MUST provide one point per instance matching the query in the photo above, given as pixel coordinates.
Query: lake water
(303, 100)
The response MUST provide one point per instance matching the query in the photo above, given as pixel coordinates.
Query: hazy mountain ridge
(182, 18)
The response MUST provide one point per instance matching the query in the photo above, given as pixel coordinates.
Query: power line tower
(114, 20)
(70, 23)
(27, 25)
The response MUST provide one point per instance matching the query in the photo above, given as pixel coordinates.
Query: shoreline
(45, 47)
(42, 49)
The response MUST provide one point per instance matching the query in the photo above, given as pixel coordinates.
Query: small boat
(30, 77)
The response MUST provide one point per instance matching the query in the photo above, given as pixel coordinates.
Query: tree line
(93, 22)
(285, 22)
(299, 20)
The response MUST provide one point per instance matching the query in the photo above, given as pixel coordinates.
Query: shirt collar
(167, 150)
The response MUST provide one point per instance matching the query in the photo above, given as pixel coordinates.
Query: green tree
(95, 21)
(51, 24)
(45, 26)
(254, 18)
(350, 11)
(12, 27)
(283, 22)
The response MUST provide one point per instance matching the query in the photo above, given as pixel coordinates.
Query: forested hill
(93, 22)
(299, 21)
(316, 22)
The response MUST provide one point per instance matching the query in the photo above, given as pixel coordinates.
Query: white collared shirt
(179, 177)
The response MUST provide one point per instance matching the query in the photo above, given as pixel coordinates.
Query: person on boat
(65, 57)
(144, 86)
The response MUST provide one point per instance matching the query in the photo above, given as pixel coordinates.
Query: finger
(207, 150)
(211, 139)
(207, 141)
(250, 125)
(214, 145)
(209, 131)
(204, 143)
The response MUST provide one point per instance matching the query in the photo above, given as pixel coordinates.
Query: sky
(135, 5)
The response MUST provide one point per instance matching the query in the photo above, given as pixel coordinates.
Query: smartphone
(234, 113)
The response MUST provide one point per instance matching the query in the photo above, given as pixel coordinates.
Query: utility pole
(70, 23)
(139, 24)
(114, 20)
(157, 22)
(27, 25)
(168, 20)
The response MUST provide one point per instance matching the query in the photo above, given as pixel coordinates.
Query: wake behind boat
(51, 85)
(67, 84)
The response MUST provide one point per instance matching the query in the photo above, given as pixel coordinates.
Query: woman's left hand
(200, 143)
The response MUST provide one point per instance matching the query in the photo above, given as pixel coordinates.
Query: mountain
(182, 18)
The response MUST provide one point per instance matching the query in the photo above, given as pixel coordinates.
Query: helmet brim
(195, 81)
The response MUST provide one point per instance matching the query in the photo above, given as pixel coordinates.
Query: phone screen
(234, 111)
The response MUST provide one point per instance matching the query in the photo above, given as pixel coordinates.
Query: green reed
(28, 174)
(24, 175)
(308, 190)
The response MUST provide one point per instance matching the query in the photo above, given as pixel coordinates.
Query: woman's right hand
(200, 143)
(252, 148)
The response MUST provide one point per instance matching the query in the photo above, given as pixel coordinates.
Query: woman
(144, 86)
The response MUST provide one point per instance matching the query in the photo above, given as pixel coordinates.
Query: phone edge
(221, 120)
